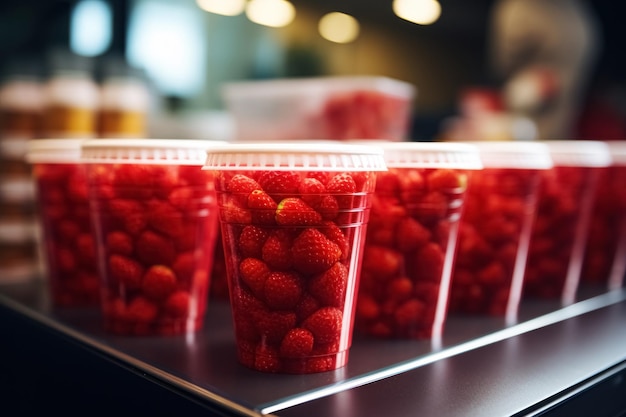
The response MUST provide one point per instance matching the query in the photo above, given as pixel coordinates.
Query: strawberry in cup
(566, 194)
(604, 264)
(63, 207)
(155, 218)
(411, 238)
(495, 229)
(293, 218)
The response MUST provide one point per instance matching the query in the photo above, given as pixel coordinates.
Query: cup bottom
(270, 362)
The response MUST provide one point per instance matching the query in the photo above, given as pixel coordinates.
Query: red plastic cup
(495, 229)
(293, 218)
(155, 219)
(566, 194)
(604, 264)
(63, 209)
(411, 239)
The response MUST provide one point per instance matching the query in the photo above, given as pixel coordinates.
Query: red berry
(335, 234)
(342, 183)
(184, 266)
(86, 249)
(251, 241)
(233, 213)
(280, 184)
(125, 271)
(381, 262)
(329, 287)
(163, 217)
(366, 307)
(266, 359)
(410, 235)
(445, 180)
(409, 312)
(274, 325)
(130, 213)
(306, 306)
(119, 242)
(328, 207)
(325, 324)
(158, 282)
(276, 250)
(254, 272)
(283, 290)
(141, 310)
(313, 252)
(153, 248)
(297, 343)
(177, 304)
(295, 212)
(262, 207)
(311, 191)
(133, 181)
(241, 186)
(429, 262)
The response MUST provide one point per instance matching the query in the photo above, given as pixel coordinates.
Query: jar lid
(296, 156)
(582, 153)
(146, 151)
(451, 155)
(53, 151)
(513, 154)
(617, 150)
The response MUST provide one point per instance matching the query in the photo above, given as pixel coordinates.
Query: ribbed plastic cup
(63, 210)
(293, 219)
(604, 263)
(495, 229)
(155, 218)
(566, 194)
(411, 239)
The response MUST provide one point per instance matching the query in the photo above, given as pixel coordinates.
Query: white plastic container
(339, 108)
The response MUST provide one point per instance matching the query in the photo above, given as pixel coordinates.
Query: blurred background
(183, 51)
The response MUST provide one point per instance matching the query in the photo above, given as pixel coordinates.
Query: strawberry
(266, 358)
(446, 180)
(232, 211)
(387, 183)
(336, 235)
(119, 242)
(306, 306)
(240, 186)
(184, 266)
(67, 230)
(158, 282)
(177, 304)
(343, 184)
(366, 307)
(276, 250)
(410, 234)
(429, 261)
(297, 343)
(130, 213)
(408, 313)
(280, 184)
(320, 364)
(133, 181)
(311, 191)
(329, 287)
(125, 271)
(432, 207)
(153, 248)
(321, 176)
(86, 249)
(382, 262)
(325, 324)
(254, 273)
(283, 290)
(262, 207)
(251, 241)
(141, 310)
(411, 183)
(328, 207)
(295, 212)
(313, 252)
(274, 325)
(399, 289)
(164, 218)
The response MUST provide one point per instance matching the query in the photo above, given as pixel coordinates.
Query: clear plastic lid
(146, 151)
(53, 151)
(580, 153)
(512, 154)
(430, 155)
(296, 156)
(617, 150)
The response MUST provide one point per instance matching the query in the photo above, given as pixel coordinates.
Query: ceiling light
(273, 13)
(422, 12)
(339, 27)
(223, 7)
